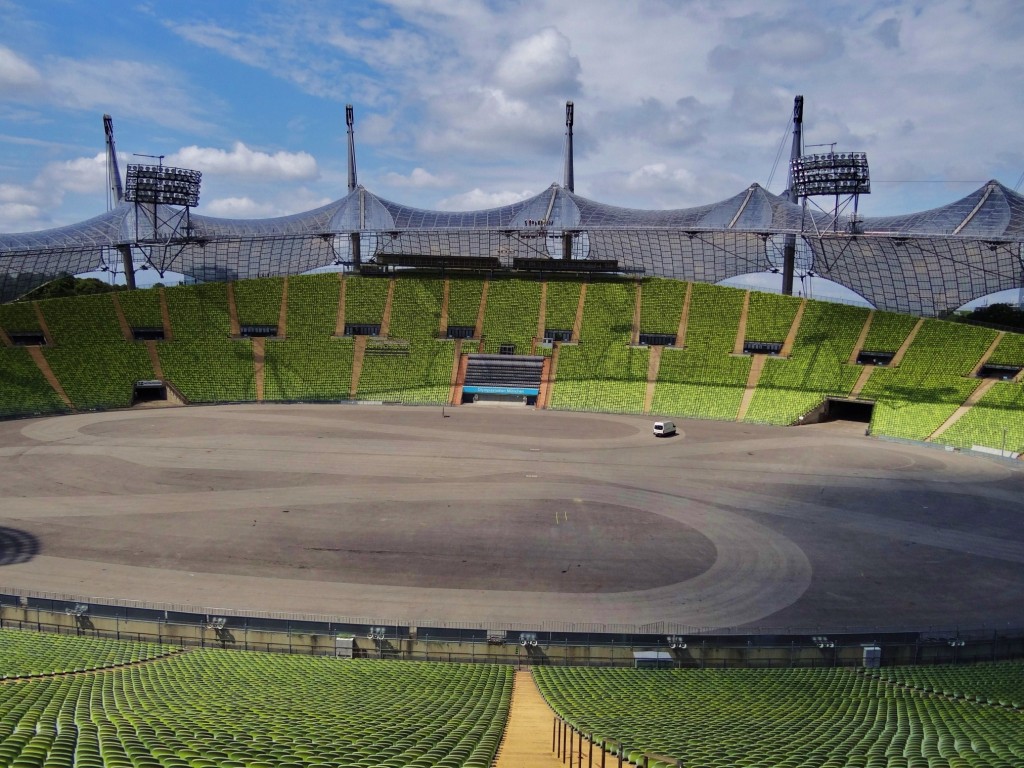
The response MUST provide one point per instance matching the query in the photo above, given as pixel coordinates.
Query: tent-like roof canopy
(925, 263)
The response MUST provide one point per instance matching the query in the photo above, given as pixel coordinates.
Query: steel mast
(789, 246)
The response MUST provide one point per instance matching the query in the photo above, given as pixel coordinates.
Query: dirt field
(499, 514)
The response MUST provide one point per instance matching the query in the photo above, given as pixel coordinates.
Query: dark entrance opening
(149, 391)
(1001, 372)
(148, 334)
(835, 409)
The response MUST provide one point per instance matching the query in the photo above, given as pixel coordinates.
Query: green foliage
(142, 308)
(996, 314)
(788, 717)
(770, 316)
(464, 300)
(69, 285)
(603, 372)
(258, 302)
(365, 298)
(513, 306)
(23, 388)
(704, 380)
(661, 305)
(817, 368)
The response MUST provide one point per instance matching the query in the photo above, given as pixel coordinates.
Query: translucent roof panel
(103, 230)
(406, 217)
(992, 211)
(924, 263)
(926, 276)
(754, 209)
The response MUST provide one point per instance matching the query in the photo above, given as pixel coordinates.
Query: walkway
(527, 742)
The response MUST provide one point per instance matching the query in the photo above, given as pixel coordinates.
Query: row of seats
(234, 709)
(97, 367)
(791, 718)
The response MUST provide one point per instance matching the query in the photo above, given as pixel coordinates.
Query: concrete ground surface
(484, 516)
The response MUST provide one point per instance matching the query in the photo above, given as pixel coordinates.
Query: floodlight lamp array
(158, 184)
(831, 173)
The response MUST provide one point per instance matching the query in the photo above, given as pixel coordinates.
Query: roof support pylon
(570, 183)
(115, 191)
(789, 246)
(353, 182)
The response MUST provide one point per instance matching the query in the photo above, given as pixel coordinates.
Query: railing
(593, 633)
(567, 744)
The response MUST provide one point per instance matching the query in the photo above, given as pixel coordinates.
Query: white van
(664, 428)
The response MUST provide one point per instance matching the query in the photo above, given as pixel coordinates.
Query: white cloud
(238, 208)
(15, 72)
(25, 207)
(81, 175)
(418, 178)
(677, 103)
(128, 88)
(659, 177)
(20, 217)
(542, 64)
(476, 199)
(241, 161)
(248, 207)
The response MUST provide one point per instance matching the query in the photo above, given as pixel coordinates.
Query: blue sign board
(524, 391)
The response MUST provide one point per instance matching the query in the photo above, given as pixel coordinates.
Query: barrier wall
(443, 644)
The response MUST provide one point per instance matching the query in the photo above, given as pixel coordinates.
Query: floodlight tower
(353, 182)
(163, 199)
(843, 176)
(789, 244)
(569, 181)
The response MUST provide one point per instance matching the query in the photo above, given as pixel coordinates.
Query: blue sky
(460, 103)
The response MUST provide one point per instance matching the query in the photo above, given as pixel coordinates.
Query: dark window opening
(362, 329)
(507, 349)
(866, 357)
(1001, 372)
(557, 334)
(263, 331)
(762, 347)
(148, 334)
(27, 338)
(658, 339)
(461, 331)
